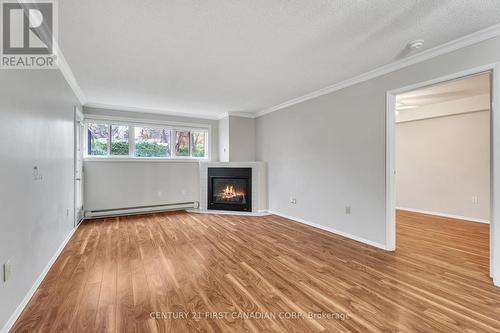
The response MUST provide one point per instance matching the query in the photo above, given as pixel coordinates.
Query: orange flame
(230, 192)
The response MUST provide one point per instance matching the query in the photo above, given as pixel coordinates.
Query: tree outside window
(98, 135)
(198, 144)
(152, 142)
(119, 140)
(182, 143)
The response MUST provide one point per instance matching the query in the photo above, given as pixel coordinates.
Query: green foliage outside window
(183, 151)
(119, 148)
(198, 144)
(151, 149)
(99, 148)
(198, 150)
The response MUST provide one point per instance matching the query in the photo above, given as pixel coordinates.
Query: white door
(79, 132)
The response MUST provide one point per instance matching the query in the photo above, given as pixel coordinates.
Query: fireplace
(230, 189)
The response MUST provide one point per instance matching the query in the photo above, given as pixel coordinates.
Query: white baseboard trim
(496, 283)
(225, 212)
(451, 216)
(322, 227)
(8, 325)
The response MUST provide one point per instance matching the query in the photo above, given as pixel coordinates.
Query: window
(182, 143)
(198, 144)
(97, 139)
(119, 140)
(135, 140)
(152, 142)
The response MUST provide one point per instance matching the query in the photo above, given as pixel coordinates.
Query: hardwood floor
(144, 273)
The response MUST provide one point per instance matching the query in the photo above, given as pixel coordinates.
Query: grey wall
(110, 185)
(441, 163)
(241, 139)
(119, 184)
(36, 129)
(329, 152)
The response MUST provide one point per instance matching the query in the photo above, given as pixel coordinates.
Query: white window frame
(132, 123)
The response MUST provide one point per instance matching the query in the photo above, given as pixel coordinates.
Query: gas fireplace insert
(230, 189)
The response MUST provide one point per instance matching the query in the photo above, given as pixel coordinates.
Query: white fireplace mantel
(259, 185)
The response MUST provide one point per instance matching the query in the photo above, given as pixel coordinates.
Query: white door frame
(78, 174)
(494, 160)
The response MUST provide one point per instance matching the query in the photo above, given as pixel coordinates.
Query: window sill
(145, 159)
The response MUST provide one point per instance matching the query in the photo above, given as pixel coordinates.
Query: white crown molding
(62, 64)
(168, 112)
(150, 110)
(68, 75)
(242, 114)
(236, 114)
(448, 47)
(223, 115)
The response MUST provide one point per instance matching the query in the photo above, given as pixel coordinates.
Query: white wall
(237, 139)
(441, 163)
(121, 184)
(36, 129)
(329, 152)
(241, 139)
(224, 139)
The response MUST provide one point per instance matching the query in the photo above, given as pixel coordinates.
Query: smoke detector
(416, 44)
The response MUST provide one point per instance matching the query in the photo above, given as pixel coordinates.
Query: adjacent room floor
(174, 271)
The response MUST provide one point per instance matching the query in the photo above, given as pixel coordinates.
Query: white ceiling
(470, 94)
(214, 56)
(448, 91)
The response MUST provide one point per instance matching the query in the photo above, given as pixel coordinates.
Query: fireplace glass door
(229, 189)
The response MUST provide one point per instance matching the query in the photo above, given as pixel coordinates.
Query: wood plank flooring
(181, 272)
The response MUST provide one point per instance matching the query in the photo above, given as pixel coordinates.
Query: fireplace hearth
(230, 189)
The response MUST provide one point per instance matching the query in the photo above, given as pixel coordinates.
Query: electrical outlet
(36, 174)
(7, 271)
(475, 199)
(293, 200)
(348, 210)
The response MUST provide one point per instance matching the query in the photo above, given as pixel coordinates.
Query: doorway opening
(440, 167)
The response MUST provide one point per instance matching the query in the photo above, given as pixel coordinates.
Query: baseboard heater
(140, 209)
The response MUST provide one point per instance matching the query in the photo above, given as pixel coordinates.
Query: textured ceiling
(214, 56)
